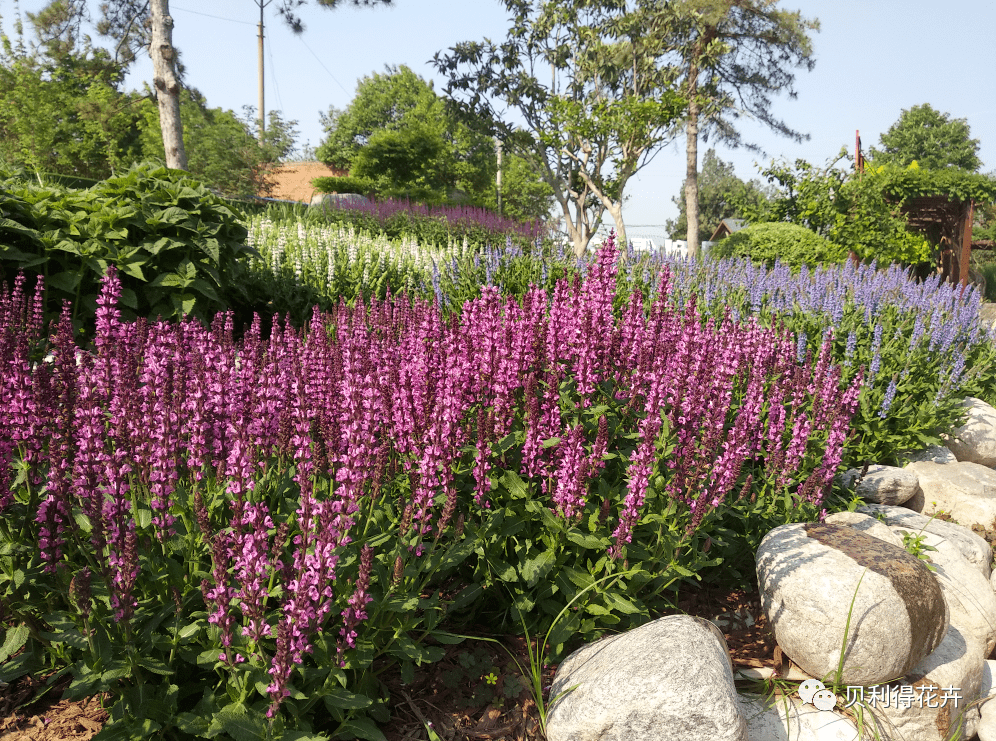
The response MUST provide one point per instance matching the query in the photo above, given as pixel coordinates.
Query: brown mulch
(473, 694)
(28, 713)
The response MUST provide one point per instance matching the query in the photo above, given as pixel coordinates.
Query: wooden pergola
(947, 223)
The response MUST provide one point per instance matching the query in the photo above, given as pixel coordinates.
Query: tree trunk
(616, 212)
(167, 84)
(692, 169)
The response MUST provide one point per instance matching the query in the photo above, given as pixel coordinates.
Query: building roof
(727, 226)
(293, 180)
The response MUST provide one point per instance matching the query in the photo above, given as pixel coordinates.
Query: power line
(322, 65)
(273, 76)
(208, 15)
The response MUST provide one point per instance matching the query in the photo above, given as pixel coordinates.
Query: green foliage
(410, 163)
(791, 244)
(859, 213)
(930, 138)
(223, 151)
(176, 246)
(524, 196)
(722, 195)
(62, 111)
(402, 136)
(607, 109)
(342, 185)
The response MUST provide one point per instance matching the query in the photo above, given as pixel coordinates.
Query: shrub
(176, 245)
(789, 244)
(343, 185)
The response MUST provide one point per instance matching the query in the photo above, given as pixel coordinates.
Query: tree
(399, 133)
(225, 153)
(722, 195)
(410, 162)
(133, 23)
(524, 195)
(606, 110)
(930, 138)
(61, 109)
(731, 57)
(166, 83)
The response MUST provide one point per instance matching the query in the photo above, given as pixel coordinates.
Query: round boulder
(668, 680)
(809, 573)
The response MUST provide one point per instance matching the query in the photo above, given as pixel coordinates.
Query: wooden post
(966, 243)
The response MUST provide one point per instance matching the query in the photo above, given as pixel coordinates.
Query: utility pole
(262, 99)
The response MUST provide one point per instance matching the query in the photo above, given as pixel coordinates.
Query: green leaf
(515, 485)
(13, 640)
(127, 729)
(240, 722)
(591, 542)
(550, 442)
(154, 665)
(133, 269)
(167, 280)
(360, 728)
(184, 303)
(535, 568)
(192, 723)
(302, 736)
(343, 698)
(65, 281)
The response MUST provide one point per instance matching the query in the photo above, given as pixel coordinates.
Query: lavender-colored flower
(887, 399)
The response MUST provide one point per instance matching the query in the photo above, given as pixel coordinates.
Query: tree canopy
(722, 195)
(730, 57)
(63, 112)
(930, 138)
(590, 123)
(404, 138)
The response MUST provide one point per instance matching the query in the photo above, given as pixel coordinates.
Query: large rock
(783, 718)
(900, 519)
(966, 491)
(883, 484)
(968, 593)
(975, 441)
(669, 679)
(933, 454)
(808, 575)
(987, 696)
(866, 524)
(935, 698)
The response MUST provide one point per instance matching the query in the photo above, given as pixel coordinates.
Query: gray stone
(866, 524)
(808, 575)
(968, 594)
(933, 454)
(668, 679)
(954, 668)
(972, 547)
(975, 441)
(883, 484)
(987, 707)
(966, 491)
(788, 718)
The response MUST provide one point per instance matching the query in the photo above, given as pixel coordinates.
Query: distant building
(292, 180)
(726, 228)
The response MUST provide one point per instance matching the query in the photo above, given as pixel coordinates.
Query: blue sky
(873, 59)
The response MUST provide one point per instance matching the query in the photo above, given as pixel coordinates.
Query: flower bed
(238, 536)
